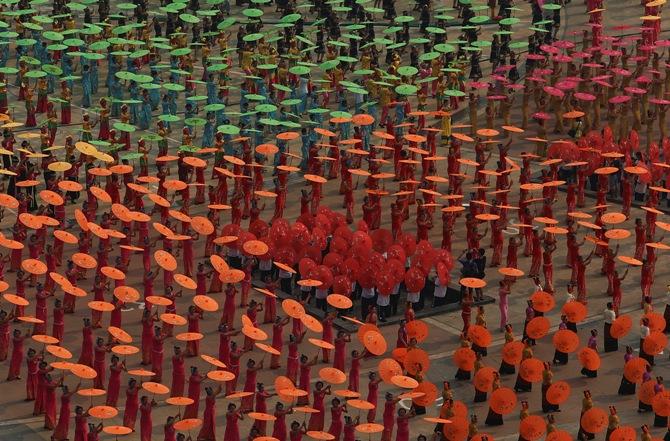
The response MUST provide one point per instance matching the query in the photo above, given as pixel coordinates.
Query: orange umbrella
(623, 433)
(558, 392)
(255, 247)
(575, 311)
(213, 361)
(30, 319)
(472, 282)
(360, 404)
(231, 276)
(155, 388)
(205, 303)
(173, 319)
(629, 260)
(634, 369)
(220, 375)
(254, 333)
(66, 237)
(364, 329)
(483, 379)
(267, 348)
(187, 424)
(90, 392)
(158, 300)
(654, 343)
(346, 393)
(320, 435)
(479, 335)
(511, 272)
(261, 416)
(388, 368)
(542, 301)
(428, 393)
(15, 300)
(125, 350)
(339, 301)
(103, 412)
(185, 281)
(239, 394)
(512, 352)
(45, 339)
(179, 401)
(457, 430)
(404, 382)
(417, 329)
(126, 293)
(189, 336)
(566, 341)
(321, 343)
(559, 435)
(617, 234)
(311, 323)
(165, 260)
(532, 427)
(202, 225)
(369, 428)
(661, 403)
(621, 326)
(218, 263)
(594, 420)
(58, 351)
(117, 430)
(656, 321)
(84, 260)
(531, 370)
(589, 359)
(283, 383)
(538, 327)
(503, 400)
(332, 375)
(101, 306)
(374, 342)
(464, 359)
(141, 372)
(34, 266)
(293, 308)
(416, 361)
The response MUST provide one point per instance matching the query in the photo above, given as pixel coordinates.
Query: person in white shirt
(611, 344)
(644, 333)
(440, 292)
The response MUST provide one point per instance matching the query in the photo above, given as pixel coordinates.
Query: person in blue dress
(66, 66)
(145, 114)
(154, 93)
(173, 96)
(134, 99)
(112, 69)
(95, 77)
(189, 112)
(211, 89)
(304, 148)
(116, 91)
(165, 109)
(208, 132)
(85, 86)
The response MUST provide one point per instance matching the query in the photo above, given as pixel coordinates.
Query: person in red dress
(33, 360)
(86, 356)
(80, 424)
(100, 363)
(316, 420)
(17, 355)
(157, 353)
(247, 404)
(305, 376)
(194, 317)
(50, 401)
(132, 404)
(194, 381)
(390, 403)
(278, 339)
(327, 336)
(178, 373)
(339, 359)
(63, 426)
(373, 388)
(208, 429)
(146, 423)
(233, 416)
(279, 429)
(261, 406)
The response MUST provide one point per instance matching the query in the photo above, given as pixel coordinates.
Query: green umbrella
(428, 56)
(358, 90)
(99, 45)
(93, 56)
(252, 12)
(74, 42)
(32, 26)
(126, 6)
(266, 66)
(25, 42)
(266, 108)
(551, 7)
(509, 21)
(403, 19)
(318, 110)
(8, 70)
(291, 102)
(330, 64)
(269, 121)
(479, 19)
(206, 12)
(9, 34)
(143, 78)
(131, 156)
(169, 118)
(253, 37)
(180, 51)
(195, 121)
(152, 137)
(406, 89)
(408, 71)
(299, 70)
(56, 47)
(76, 6)
(125, 75)
(51, 69)
(31, 60)
(434, 30)
(123, 127)
(228, 22)
(340, 114)
(444, 48)
(363, 72)
(188, 18)
(53, 36)
(35, 74)
(518, 45)
(254, 97)
(282, 88)
(290, 18)
(454, 93)
(197, 98)
(228, 129)
(100, 143)
(214, 107)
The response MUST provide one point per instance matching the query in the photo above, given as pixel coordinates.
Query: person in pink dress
(279, 429)
(228, 314)
(33, 360)
(157, 353)
(63, 426)
(355, 371)
(270, 303)
(373, 388)
(208, 429)
(316, 420)
(86, 356)
(58, 327)
(247, 404)
(336, 423)
(100, 362)
(114, 385)
(233, 416)
(292, 361)
(132, 404)
(224, 342)
(148, 320)
(194, 317)
(146, 423)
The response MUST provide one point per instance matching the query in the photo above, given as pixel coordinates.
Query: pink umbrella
(621, 27)
(602, 83)
(581, 55)
(635, 90)
(535, 57)
(566, 85)
(619, 99)
(516, 86)
(496, 97)
(562, 58)
(584, 96)
(477, 85)
(542, 72)
(620, 71)
(499, 78)
(537, 79)
(564, 44)
(596, 65)
(611, 53)
(553, 91)
(642, 79)
(638, 58)
(659, 101)
(541, 115)
(663, 43)
(550, 49)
